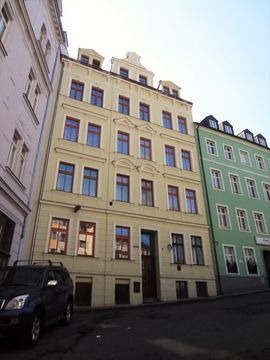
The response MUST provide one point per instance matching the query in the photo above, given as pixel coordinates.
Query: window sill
(2, 49)
(29, 106)
(14, 177)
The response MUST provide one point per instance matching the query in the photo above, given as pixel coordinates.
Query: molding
(15, 199)
(79, 154)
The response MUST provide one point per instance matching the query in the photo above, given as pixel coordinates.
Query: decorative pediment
(126, 163)
(124, 121)
(148, 169)
(146, 128)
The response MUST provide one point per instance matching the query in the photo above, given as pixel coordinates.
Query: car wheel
(34, 330)
(67, 314)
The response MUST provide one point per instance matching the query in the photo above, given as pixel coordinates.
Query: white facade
(31, 39)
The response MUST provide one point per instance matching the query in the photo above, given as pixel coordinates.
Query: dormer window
(175, 93)
(262, 142)
(84, 59)
(213, 124)
(124, 72)
(249, 136)
(143, 79)
(166, 90)
(228, 129)
(96, 63)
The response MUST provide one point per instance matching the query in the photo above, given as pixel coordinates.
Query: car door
(51, 297)
(61, 288)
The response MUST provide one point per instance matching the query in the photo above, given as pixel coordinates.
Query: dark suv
(33, 296)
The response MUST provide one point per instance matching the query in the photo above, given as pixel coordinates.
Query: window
(143, 79)
(124, 72)
(22, 161)
(197, 250)
(166, 90)
(29, 84)
(244, 158)
(65, 177)
(260, 162)
(14, 148)
(201, 288)
(213, 124)
(122, 240)
(58, 236)
(97, 97)
(123, 143)
(36, 98)
(71, 131)
(181, 290)
(211, 147)
(249, 136)
(167, 119)
(93, 135)
(266, 190)
(84, 60)
(182, 125)
(48, 50)
(230, 260)
(242, 220)
(186, 160)
(147, 193)
(144, 112)
(96, 63)
(90, 182)
(259, 223)
(4, 20)
(123, 105)
(178, 249)
(223, 217)
(216, 179)
(76, 90)
(228, 129)
(235, 184)
(251, 187)
(175, 93)
(191, 201)
(169, 156)
(145, 149)
(251, 263)
(173, 198)
(122, 188)
(86, 238)
(228, 152)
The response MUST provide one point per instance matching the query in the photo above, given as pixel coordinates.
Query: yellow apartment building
(121, 203)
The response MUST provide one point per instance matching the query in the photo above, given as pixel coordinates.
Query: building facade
(30, 39)
(236, 173)
(122, 204)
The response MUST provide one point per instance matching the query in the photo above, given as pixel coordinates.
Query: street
(233, 328)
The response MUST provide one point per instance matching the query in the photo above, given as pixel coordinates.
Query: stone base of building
(231, 285)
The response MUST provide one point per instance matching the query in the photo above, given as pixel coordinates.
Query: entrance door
(149, 286)
(266, 256)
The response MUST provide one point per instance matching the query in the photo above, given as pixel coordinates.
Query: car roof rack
(38, 262)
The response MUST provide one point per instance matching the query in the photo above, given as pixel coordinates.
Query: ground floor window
(122, 292)
(250, 259)
(181, 290)
(83, 293)
(201, 287)
(6, 234)
(230, 259)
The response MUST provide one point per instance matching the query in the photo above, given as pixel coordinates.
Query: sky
(217, 51)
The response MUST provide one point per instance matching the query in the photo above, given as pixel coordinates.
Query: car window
(21, 276)
(59, 276)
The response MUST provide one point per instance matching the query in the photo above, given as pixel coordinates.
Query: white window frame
(252, 188)
(242, 220)
(238, 184)
(226, 152)
(246, 259)
(235, 258)
(225, 215)
(217, 180)
(260, 162)
(246, 156)
(5, 23)
(266, 191)
(211, 146)
(262, 220)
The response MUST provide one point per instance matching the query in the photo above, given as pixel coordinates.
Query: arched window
(43, 37)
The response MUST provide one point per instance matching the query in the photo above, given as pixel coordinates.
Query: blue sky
(217, 51)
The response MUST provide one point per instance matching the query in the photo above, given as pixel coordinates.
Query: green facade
(237, 197)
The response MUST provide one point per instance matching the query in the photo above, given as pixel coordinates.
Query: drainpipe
(46, 157)
(209, 215)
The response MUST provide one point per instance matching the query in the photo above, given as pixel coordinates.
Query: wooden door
(149, 285)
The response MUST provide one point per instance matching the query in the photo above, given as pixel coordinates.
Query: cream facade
(31, 38)
(122, 205)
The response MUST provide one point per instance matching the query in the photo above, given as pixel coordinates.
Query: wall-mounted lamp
(77, 208)
(169, 247)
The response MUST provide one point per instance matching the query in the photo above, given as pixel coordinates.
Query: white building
(31, 40)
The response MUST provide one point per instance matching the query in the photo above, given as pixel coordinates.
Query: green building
(236, 176)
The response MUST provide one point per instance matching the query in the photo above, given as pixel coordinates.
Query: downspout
(209, 215)
(46, 159)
